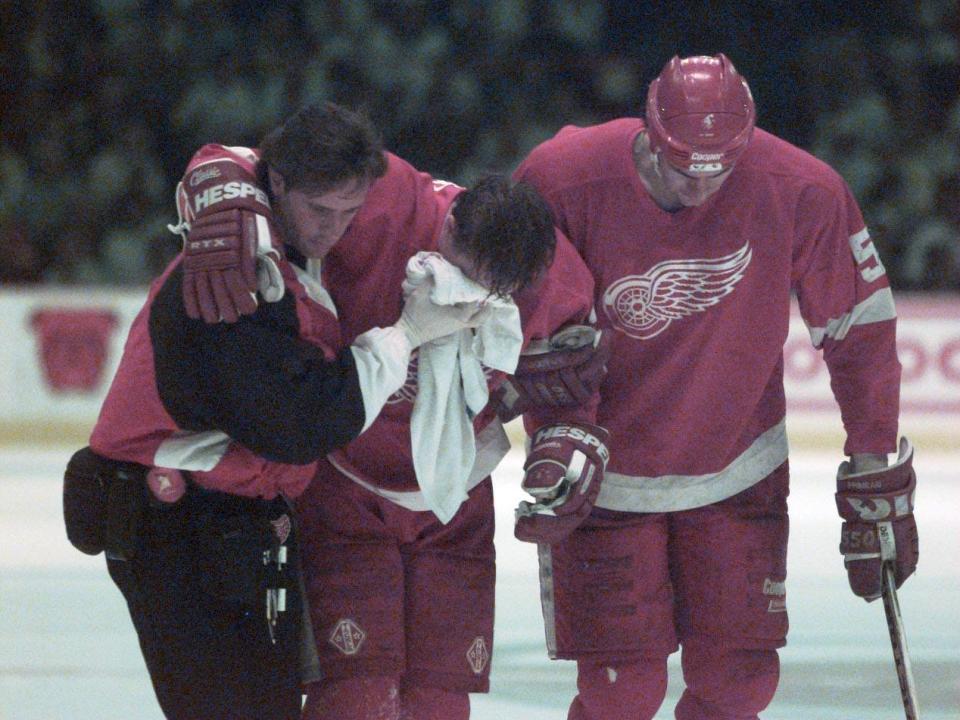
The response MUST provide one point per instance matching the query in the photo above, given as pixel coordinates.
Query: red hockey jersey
(248, 407)
(402, 216)
(203, 398)
(698, 301)
(166, 406)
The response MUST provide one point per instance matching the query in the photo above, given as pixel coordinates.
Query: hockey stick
(898, 639)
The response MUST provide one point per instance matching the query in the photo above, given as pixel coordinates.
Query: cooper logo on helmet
(700, 113)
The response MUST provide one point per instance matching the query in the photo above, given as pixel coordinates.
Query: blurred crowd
(104, 101)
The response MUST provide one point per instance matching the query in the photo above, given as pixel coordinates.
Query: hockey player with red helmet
(698, 226)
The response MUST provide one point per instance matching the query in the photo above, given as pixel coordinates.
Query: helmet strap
(655, 156)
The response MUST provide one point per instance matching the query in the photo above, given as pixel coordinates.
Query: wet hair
(507, 231)
(321, 146)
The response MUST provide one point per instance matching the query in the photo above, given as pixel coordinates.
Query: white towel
(452, 387)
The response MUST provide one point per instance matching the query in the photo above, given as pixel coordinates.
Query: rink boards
(61, 348)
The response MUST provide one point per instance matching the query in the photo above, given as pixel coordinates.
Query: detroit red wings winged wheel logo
(282, 527)
(643, 306)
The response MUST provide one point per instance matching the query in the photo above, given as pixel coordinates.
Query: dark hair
(507, 230)
(322, 146)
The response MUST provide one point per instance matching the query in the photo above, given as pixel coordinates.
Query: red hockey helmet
(700, 113)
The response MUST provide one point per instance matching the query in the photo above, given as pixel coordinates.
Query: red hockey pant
(401, 605)
(626, 588)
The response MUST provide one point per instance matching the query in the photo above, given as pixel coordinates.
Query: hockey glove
(229, 248)
(564, 373)
(878, 527)
(563, 473)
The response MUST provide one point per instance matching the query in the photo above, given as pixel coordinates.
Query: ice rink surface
(68, 650)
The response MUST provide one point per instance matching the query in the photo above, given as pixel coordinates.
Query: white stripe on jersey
(192, 450)
(491, 447)
(669, 493)
(876, 308)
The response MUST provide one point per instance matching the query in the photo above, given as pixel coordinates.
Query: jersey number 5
(863, 250)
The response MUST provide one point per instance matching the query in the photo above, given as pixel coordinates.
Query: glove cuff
(570, 347)
(409, 333)
(220, 185)
(887, 478)
(878, 495)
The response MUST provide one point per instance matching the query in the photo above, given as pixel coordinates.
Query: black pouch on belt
(103, 504)
(234, 540)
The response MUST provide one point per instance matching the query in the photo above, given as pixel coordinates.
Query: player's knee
(727, 684)
(429, 703)
(353, 698)
(631, 691)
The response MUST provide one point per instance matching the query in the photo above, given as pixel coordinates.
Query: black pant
(196, 589)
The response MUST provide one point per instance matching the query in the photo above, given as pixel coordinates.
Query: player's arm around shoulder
(257, 379)
(278, 380)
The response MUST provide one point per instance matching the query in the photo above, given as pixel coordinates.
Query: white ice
(68, 650)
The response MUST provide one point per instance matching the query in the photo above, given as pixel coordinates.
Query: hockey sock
(427, 703)
(727, 684)
(614, 691)
(355, 698)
